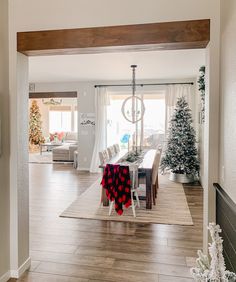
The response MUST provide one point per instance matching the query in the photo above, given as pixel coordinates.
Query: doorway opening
(34, 50)
(53, 127)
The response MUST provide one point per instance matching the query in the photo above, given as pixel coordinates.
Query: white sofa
(71, 138)
(65, 152)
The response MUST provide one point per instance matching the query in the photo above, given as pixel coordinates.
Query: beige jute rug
(171, 206)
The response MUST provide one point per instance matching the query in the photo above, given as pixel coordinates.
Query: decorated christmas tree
(35, 125)
(180, 155)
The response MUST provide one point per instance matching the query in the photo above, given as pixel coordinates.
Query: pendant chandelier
(52, 102)
(133, 108)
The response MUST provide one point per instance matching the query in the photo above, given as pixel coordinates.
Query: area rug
(171, 206)
(45, 158)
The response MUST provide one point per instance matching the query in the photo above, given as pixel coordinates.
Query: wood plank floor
(72, 250)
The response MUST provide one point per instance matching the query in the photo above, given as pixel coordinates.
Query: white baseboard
(25, 266)
(5, 277)
(83, 168)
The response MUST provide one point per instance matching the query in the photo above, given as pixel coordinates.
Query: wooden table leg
(149, 189)
(105, 201)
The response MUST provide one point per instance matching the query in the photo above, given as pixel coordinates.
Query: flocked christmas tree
(214, 270)
(35, 125)
(181, 153)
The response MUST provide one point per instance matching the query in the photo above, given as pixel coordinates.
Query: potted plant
(180, 155)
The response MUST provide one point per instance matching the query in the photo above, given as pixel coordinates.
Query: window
(120, 130)
(59, 121)
(63, 118)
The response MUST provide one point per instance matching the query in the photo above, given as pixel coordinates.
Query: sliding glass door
(154, 120)
(151, 130)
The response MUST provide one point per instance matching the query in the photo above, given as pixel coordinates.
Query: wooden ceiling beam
(152, 36)
(47, 95)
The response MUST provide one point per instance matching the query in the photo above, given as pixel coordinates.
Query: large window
(153, 129)
(62, 119)
(59, 121)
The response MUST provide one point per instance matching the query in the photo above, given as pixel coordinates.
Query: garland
(201, 88)
(213, 270)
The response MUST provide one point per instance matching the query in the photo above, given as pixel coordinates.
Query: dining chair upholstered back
(111, 152)
(155, 183)
(103, 157)
(155, 168)
(116, 148)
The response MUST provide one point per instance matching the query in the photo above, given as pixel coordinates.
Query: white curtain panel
(101, 102)
(173, 92)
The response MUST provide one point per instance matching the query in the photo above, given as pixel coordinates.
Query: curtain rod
(144, 84)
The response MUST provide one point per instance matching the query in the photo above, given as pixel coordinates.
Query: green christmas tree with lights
(35, 125)
(180, 155)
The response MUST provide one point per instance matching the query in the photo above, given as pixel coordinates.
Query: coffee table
(48, 145)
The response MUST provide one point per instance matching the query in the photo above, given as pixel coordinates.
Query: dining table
(144, 164)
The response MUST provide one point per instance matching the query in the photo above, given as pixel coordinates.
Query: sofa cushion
(71, 137)
(61, 149)
(111, 152)
(64, 152)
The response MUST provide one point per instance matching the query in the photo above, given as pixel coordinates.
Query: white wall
(28, 15)
(35, 15)
(227, 167)
(22, 171)
(4, 140)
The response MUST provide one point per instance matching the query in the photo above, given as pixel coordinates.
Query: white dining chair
(103, 157)
(116, 148)
(111, 152)
(133, 169)
(155, 182)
